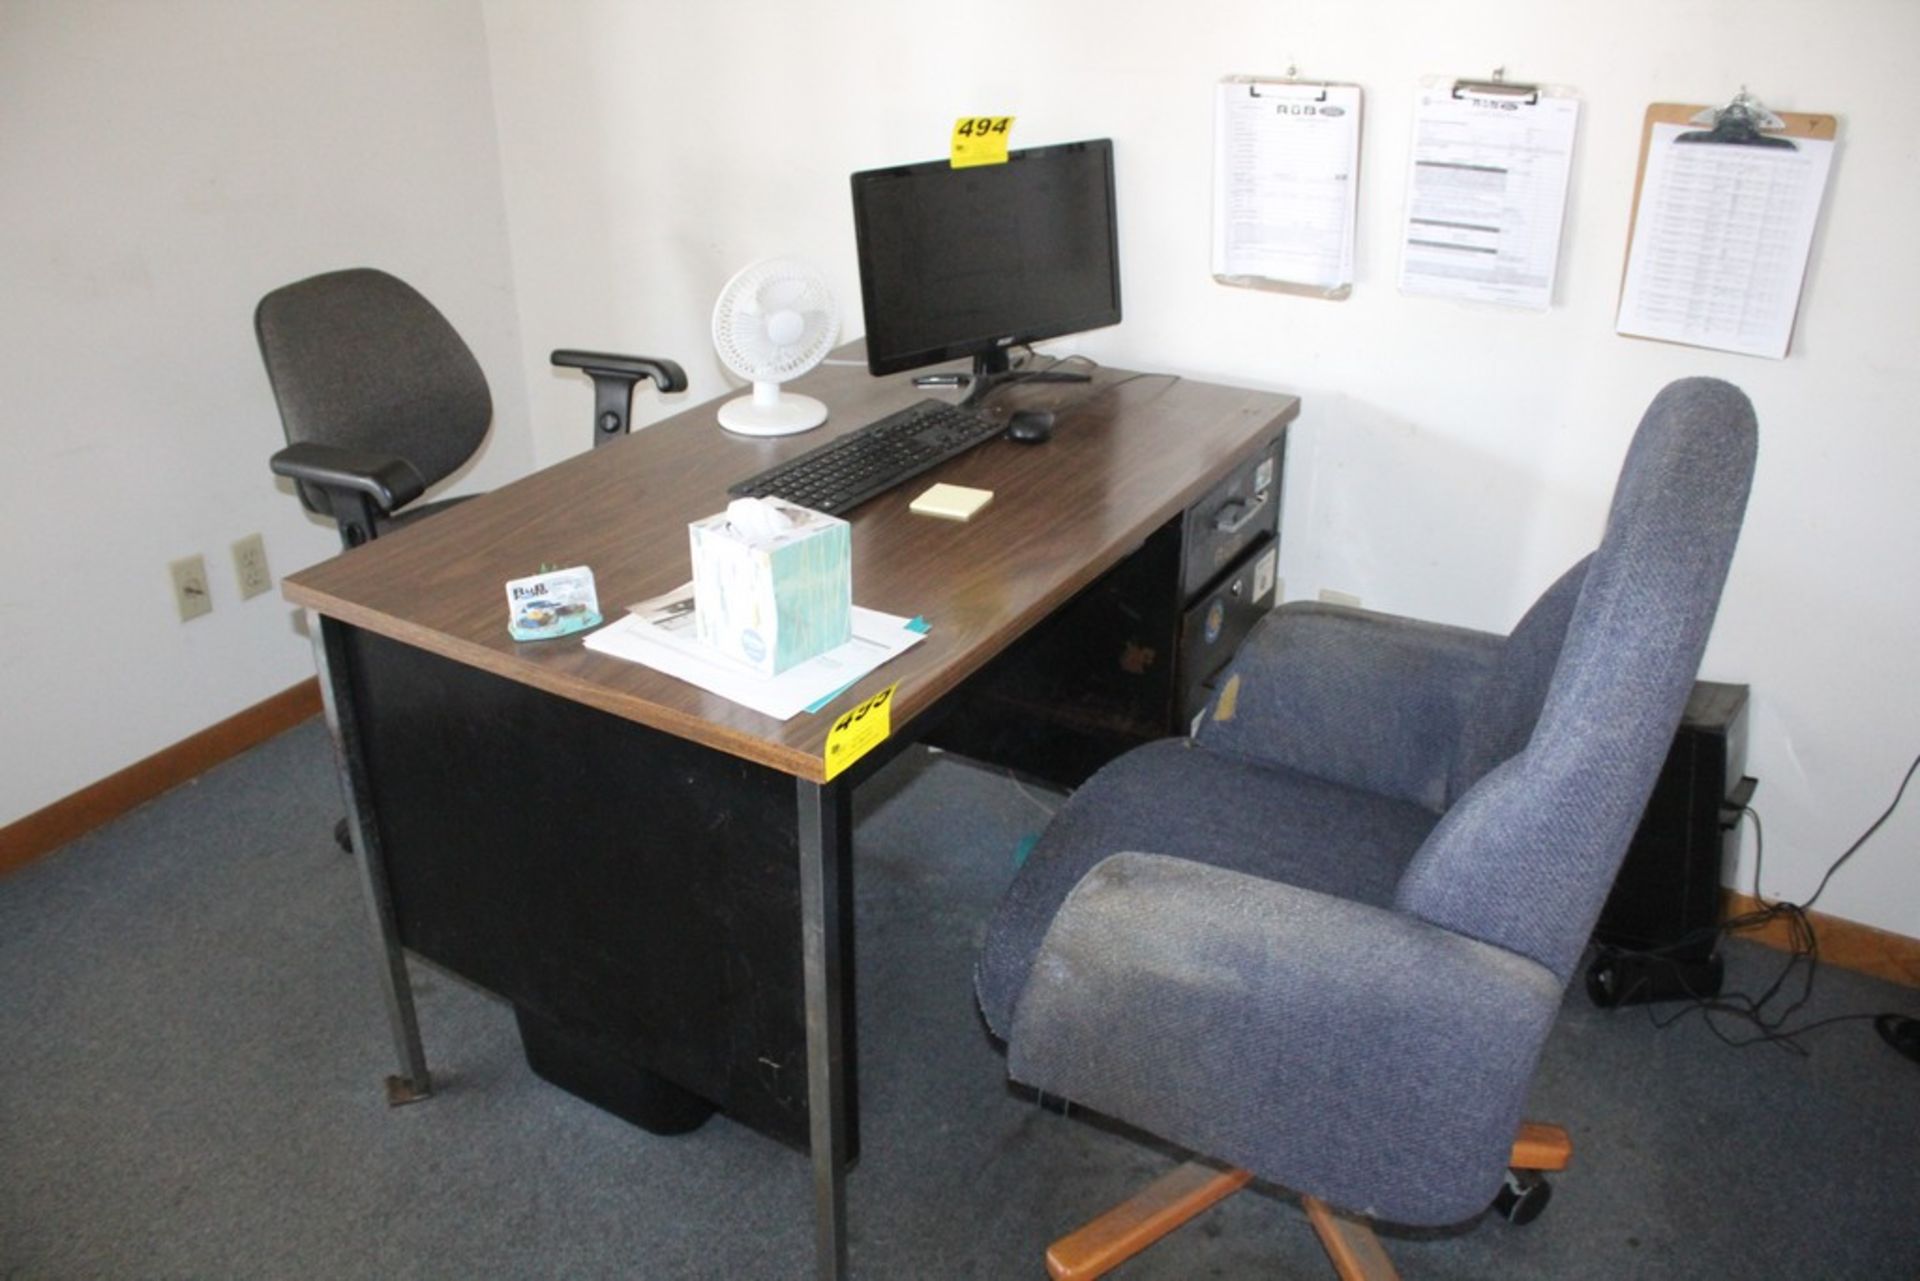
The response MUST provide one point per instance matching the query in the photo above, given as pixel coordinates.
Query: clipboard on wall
(1487, 190)
(1724, 208)
(1286, 163)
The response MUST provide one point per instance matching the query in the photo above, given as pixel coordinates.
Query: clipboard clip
(1291, 80)
(1496, 86)
(1738, 124)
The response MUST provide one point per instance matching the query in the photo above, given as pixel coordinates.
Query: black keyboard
(850, 469)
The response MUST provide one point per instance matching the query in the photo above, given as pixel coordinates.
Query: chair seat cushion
(416, 512)
(1176, 798)
(1344, 1050)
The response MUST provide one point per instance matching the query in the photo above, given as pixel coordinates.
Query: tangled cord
(1803, 949)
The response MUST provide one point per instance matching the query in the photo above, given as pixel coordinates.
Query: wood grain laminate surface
(1128, 453)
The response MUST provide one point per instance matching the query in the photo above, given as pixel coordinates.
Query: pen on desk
(942, 380)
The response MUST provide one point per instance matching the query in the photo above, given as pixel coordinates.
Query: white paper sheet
(1286, 160)
(1720, 241)
(1486, 195)
(663, 639)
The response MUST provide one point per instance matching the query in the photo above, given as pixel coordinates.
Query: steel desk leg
(825, 847)
(330, 657)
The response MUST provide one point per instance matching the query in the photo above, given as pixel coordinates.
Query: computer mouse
(1030, 426)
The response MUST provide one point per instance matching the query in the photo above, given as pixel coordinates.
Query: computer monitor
(975, 261)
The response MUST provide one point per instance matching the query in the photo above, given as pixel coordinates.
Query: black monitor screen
(958, 262)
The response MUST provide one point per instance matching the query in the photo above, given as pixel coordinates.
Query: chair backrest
(359, 359)
(1507, 707)
(1546, 805)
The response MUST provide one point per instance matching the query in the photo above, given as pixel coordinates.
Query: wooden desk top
(1126, 456)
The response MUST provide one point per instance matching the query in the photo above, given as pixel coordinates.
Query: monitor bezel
(1000, 342)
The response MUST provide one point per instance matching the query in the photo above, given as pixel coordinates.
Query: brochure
(660, 634)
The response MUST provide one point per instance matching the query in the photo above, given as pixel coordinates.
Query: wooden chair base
(1187, 1190)
(1356, 1252)
(1140, 1220)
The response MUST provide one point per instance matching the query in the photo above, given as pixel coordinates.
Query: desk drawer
(1215, 624)
(1243, 509)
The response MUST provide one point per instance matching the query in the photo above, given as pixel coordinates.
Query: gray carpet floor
(191, 1050)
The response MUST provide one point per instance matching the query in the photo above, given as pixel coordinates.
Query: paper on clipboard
(1487, 193)
(1286, 170)
(1720, 242)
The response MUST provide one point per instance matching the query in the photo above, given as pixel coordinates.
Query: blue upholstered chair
(1323, 941)
(381, 399)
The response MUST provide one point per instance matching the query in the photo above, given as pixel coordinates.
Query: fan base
(782, 417)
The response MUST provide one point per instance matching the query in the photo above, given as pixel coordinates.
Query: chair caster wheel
(1522, 1197)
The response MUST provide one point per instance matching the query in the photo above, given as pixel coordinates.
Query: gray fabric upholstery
(421, 511)
(1325, 939)
(1507, 705)
(1370, 700)
(1526, 855)
(358, 358)
(1270, 822)
(1289, 1032)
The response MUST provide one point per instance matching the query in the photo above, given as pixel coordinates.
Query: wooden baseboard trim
(47, 829)
(1847, 944)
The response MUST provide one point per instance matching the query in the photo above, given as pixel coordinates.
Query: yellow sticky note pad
(859, 731)
(951, 502)
(980, 140)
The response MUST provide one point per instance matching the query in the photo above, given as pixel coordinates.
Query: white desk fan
(774, 321)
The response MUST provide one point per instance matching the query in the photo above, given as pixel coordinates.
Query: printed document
(1286, 161)
(1487, 195)
(1720, 241)
(659, 633)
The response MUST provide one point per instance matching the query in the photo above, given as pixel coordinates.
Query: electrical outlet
(190, 587)
(1328, 596)
(250, 566)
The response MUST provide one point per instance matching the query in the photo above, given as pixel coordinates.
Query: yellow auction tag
(859, 731)
(980, 140)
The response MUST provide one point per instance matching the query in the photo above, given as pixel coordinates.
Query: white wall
(1450, 461)
(163, 163)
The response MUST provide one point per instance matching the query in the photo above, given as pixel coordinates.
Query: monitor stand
(992, 369)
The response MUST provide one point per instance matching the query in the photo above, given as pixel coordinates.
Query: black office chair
(381, 399)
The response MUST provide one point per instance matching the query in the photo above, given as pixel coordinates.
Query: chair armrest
(666, 374)
(389, 481)
(1348, 1051)
(1369, 700)
(613, 382)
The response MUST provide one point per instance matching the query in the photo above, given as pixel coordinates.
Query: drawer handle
(1237, 515)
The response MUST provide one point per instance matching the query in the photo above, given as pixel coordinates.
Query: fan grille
(775, 320)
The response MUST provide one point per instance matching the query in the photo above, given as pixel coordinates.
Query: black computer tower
(1657, 935)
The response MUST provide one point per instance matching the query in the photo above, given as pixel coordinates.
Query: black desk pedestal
(635, 896)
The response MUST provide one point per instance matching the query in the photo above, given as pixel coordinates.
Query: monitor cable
(1073, 401)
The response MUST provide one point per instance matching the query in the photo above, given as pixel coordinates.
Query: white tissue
(757, 519)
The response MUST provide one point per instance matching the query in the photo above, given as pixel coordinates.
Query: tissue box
(772, 583)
